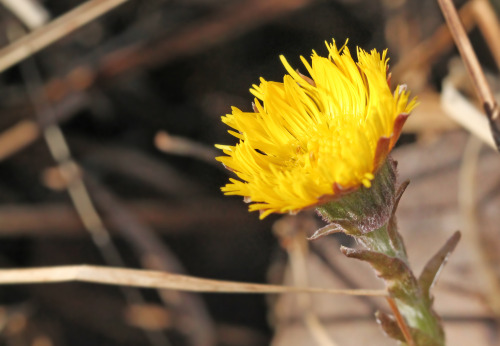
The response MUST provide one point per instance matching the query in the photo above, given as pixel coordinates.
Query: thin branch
(30, 12)
(59, 219)
(156, 279)
(154, 254)
(177, 145)
(487, 22)
(472, 235)
(77, 190)
(25, 132)
(230, 21)
(467, 52)
(473, 67)
(53, 31)
(292, 233)
(18, 137)
(427, 51)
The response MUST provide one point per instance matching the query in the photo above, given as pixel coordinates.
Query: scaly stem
(368, 215)
(411, 301)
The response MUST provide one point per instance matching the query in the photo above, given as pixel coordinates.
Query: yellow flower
(311, 140)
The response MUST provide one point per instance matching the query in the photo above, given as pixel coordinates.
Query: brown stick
(17, 137)
(55, 30)
(168, 218)
(467, 201)
(155, 279)
(487, 22)
(25, 132)
(292, 231)
(177, 145)
(473, 67)
(430, 49)
(237, 17)
(155, 254)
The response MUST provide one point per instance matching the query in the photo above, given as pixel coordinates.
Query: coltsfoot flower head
(311, 140)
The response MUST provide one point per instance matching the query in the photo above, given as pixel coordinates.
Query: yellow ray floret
(309, 138)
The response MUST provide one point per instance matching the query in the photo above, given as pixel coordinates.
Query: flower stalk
(384, 249)
(323, 141)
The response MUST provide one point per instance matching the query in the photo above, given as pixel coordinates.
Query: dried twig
(235, 18)
(292, 232)
(144, 168)
(25, 132)
(77, 190)
(54, 219)
(487, 22)
(155, 279)
(467, 203)
(430, 49)
(30, 12)
(473, 67)
(154, 254)
(17, 137)
(53, 31)
(177, 145)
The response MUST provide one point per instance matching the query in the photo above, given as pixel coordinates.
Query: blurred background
(107, 157)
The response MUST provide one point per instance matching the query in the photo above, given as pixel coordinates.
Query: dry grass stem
(487, 22)
(17, 137)
(182, 146)
(426, 52)
(467, 203)
(467, 52)
(156, 279)
(78, 192)
(30, 12)
(60, 220)
(53, 31)
(473, 67)
(298, 251)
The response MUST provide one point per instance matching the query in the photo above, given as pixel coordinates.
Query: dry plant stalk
(473, 67)
(487, 22)
(156, 279)
(467, 200)
(30, 12)
(53, 31)
(17, 137)
(427, 51)
(292, 232)
(177, 145)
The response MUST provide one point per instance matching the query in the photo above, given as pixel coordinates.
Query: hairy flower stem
(412, 301)
(368, 215)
